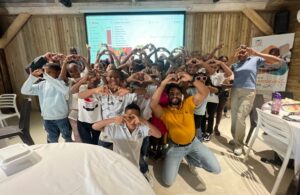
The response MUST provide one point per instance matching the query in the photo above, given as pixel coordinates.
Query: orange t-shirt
(180, 122)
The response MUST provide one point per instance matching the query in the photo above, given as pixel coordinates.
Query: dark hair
(221, 57)
(73, 50)
(120, 74)
(132, 106)
(171, 86)
(53, 66)
(274, 51)
(243, 46)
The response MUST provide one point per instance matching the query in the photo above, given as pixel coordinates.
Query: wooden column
(5, 83)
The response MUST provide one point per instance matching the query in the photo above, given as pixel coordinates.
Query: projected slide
(124, 32)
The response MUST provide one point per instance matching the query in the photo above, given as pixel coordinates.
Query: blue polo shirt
(245, 72)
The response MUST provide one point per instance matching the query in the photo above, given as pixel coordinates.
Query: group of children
(108, 102)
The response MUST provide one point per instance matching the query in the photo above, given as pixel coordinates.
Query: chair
(285, 94)
(279, 137)
(23, 129)
(8, 101)
(258, 102)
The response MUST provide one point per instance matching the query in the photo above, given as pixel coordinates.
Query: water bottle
(276, 103)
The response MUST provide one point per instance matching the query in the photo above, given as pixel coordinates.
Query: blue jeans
(197, 154)
(199, 134)
(55, 127)
(144, 152)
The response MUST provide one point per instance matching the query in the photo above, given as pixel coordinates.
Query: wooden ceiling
(48, 7)
(7, 2)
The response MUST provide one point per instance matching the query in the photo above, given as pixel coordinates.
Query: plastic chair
(8, 101)
(23, 129)
(279, 137)
(258, 102)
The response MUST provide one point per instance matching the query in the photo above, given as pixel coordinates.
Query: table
(76, 168)
(295, 127)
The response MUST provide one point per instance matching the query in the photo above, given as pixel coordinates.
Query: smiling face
(192, 69)
(175, 96)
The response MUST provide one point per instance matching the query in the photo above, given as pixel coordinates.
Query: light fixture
(298, 16)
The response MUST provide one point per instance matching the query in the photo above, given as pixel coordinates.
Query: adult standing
(243, 90)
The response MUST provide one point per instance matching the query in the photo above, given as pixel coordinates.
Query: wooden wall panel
(206, 30)
(40, 35)
(293, 84)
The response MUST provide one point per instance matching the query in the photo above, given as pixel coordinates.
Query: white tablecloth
(295, 126)
(74, 168)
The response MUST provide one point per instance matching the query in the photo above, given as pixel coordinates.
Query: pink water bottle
(276, 103)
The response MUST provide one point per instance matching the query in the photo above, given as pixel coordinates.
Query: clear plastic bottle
(276, 103)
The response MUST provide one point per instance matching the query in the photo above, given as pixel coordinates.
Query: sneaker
(201, 186)
(238, 150)
(207, 137)
(192, 169)
(149, 178)
(226, 116)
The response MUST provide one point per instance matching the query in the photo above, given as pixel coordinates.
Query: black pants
(87, 133)
(197, 119)
(220, 108)
(144, 152)
(211, 109)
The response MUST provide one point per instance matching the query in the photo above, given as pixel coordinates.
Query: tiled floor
(252, 177)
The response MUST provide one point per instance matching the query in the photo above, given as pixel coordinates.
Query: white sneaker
(238, 150)
(193, 169)
(201, 185)
(149, 178)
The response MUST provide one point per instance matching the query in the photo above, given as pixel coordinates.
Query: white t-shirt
(89, 109)
(125, 143)
(200, 109)
(114, 106)
(216, 79)
(213, 98)
(143, 101)
(73, 102)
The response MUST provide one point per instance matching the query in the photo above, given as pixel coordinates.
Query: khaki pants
(241, 105)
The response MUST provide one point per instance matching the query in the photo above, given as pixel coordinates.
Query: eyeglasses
(203, 78)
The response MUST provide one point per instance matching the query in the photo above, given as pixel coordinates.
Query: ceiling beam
(54, 8)
(13, 29)
(258, 21)
(276, 2)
